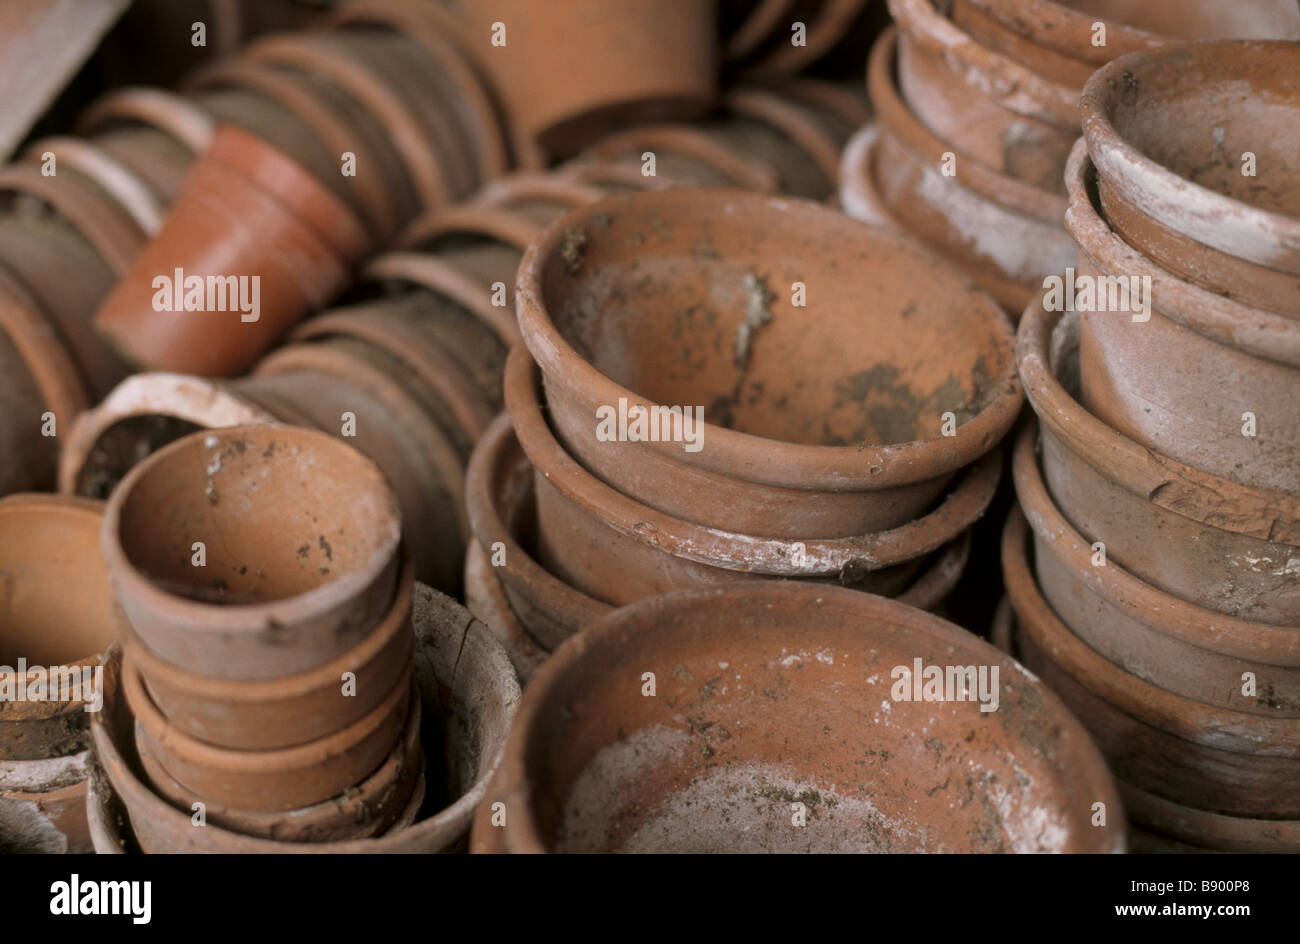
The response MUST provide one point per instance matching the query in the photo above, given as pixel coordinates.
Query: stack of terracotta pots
(51, 643)
(818, 435)
(1164, 507)
(977, 109)
(266, 634)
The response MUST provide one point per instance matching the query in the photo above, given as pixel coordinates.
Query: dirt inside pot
(123, 445)
(779, 321)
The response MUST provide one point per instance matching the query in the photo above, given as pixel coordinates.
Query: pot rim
(473, 219)
(692, 141)
(482, 587)
(172, 114)
(1161, 612)
(643, 617)
(1253, 330)
(793, 465)
(120, 182)
(793, 121)
(427, 271)
(964, 504)
(56, 377)
(540, 186)
(1243, 833)
(1265, 237)
(1210, 726)
(247, 622)
(1166, 483)
(29, 776)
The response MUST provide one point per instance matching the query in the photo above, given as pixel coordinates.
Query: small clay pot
(614, 548)
(811, 431)
(1168, 132)
(774, 694)
(268, 781)
(241, 198)
(485, 598)
(570, 71)
(43, 805)
(468, 696)
(1185, 649)
(990, 108)
(1212, 542)
(1196, 755)
(299, 567)
(1182, 384)
(47, 545)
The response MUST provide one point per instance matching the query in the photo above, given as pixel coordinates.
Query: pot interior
(689, 298)
(1198, 111)
(1198, 19)
(56, 605)
(280, 511)
(765, 713)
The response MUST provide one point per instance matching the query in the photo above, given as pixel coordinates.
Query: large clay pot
(1169, 132)
(247, 212)
(1179, 370)
(468, 694)
(1207, 540)
(298, 566)
(776, 699)
(822, 422)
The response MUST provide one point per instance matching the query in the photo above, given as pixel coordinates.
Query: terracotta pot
(485, 598)
(569, 72)
(734, 736)
(1171, 181)
(987, 27)
(157, 108)
(22, 419)
(153, 156)
(1215, 543)
(612, 547)
(298, 570)
(990, 108)
(282, 712)
(119, 181)
(43, 805)
(1182, 384)
(1209, 758)
(827, 23)
(809, 436)
(241, 198)
(685, 156)
(47, 545)
(468, 698)
(1185, 649)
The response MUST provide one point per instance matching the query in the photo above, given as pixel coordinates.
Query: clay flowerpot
(990, 108)
(573, 69)
(282, 712)
(1184, 649)
(468, 695)
(1179, 370)
(47, 544)
(485, 598)
(119, 181)
(777, 694)
(1171, 134)
(178, 117)
(298, 566)
(614, 548)
(43, 805)
(1201, 756)
(1212, 542)
(253, 243)
(806, 426)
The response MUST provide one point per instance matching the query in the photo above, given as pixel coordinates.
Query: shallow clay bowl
(819, 422)
(301, 537)
(773, 702)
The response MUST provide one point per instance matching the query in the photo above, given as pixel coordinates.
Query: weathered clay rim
(1265, 237)
(491, 222)
(484, 592)
(109, 174)
(1212, 501)
(791, 465)
(693, 142)
(428, 271)
(526, 186)
(963, 505)
(171, 114)
(1205, 829)
(1253, 330)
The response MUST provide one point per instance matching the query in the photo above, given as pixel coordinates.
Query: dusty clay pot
(612, 547)
(1181, 383)
(1197, 755)
(155, 157)
(735, 735)
(468, 697)
(573, 69)
(1209, 541)
(241, 198)
(485, 598)
(807, 435)
(1167, 132)
(1185, 649)
(270, 781)
(47, 545)
(282, 712)
(43, 805)
(990, 108)
(299, 567)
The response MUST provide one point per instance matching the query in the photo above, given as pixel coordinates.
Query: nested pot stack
(824, 442)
